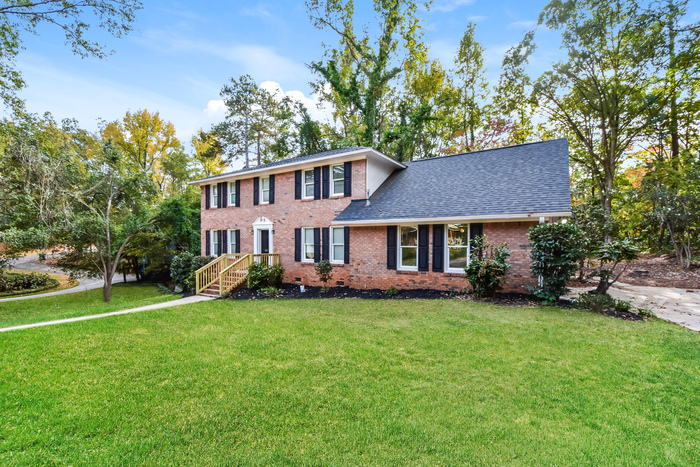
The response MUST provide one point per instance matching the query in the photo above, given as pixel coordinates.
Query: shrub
(276, 275)
(183, 268)
(270, 291)
(556, 254)
(391, 291)
(487, 268)
(324, 270)
(622, 305)
(646, 313)
(611, 255)
(258, 275)
(13, 282)
(164, 289)
(593, 301)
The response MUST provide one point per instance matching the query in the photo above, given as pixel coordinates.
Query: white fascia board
(519, 217)
(343, 157)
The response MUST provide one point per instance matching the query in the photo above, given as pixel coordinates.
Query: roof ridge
(485, 150)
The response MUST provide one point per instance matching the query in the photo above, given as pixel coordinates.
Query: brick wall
(367, 268)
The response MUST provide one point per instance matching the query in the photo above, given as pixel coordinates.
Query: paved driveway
(680, 306)
(32, 263)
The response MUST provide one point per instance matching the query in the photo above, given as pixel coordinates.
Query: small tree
(487, 267)
(611, 255)
(324, 270)
(556, 252)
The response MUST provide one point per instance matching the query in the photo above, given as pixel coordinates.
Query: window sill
(410, 272)
(454, 274)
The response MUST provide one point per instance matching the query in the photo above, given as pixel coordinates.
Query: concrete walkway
(32, 263)
(680, 306)
(178, 302)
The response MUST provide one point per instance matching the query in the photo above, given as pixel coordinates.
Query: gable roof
(300, 160)
(521, 180)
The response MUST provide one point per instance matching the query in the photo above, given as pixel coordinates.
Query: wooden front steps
(227, 272)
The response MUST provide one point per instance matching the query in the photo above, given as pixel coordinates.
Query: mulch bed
(653, 270)
(292, 291)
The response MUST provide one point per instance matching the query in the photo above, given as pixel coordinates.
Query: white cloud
(477, 18)
(257, 11)
(258, 60)
(216, 109)
(450, 5)
(522, 24)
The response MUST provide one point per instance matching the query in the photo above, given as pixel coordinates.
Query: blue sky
(181, 54)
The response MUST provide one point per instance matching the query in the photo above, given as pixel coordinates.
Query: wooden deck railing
(230, 270)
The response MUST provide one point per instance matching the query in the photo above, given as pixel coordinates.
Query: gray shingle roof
(528, 178)
(293, 160)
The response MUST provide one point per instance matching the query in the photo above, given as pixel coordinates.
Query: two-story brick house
(383, 223)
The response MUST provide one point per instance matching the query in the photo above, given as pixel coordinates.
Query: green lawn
(34, 310)
(351, 382)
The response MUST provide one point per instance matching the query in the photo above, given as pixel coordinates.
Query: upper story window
(265, 190)
(215, 196)
(232, 193)
(337, 245)
(308, 184)
(308, 247)
(408, 247)
(457, 247)
(338, 182)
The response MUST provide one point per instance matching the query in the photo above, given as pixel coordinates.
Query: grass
(351, 382)
(64, 282)
(90, 302)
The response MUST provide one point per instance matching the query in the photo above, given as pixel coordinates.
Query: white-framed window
(337, 245)
(307, 245)
(408, 247)
(338, 180)
(265, 190)
(215, 196)
(457, 251)
(215, 243)
(308, 184)
(232, 241)
(232, 193)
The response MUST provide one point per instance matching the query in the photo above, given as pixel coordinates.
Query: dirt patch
(653, 270)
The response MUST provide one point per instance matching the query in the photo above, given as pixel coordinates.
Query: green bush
(556, 254)
(276, 276)
(258, 275)
(183, 268)
(270, 291)
(646, 313)
(324, 270)
(596, 302)
(487, 267)
(622, 305)
(15, 282)
(391, 291)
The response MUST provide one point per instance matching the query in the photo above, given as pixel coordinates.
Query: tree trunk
(107, 288)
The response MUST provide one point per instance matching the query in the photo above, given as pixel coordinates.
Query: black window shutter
(207, 197)
(224, 194)
(256, 191)
(346, 232)
(297, 184)
(438, 247)
(297, 244)
(347, 169)
(325, 243)
(475, 230)
(238, 242)
(391, 247)
(326, 181)
(317, 182)
(317, 245)
(423, 247)
(207, 241)
(220, 198)
(219, 235)
(224, 241)
(238, 193)
(272, 189)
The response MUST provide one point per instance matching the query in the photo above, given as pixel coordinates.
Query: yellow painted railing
(230, 270)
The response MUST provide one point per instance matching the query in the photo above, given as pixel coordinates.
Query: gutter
(518, 217)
